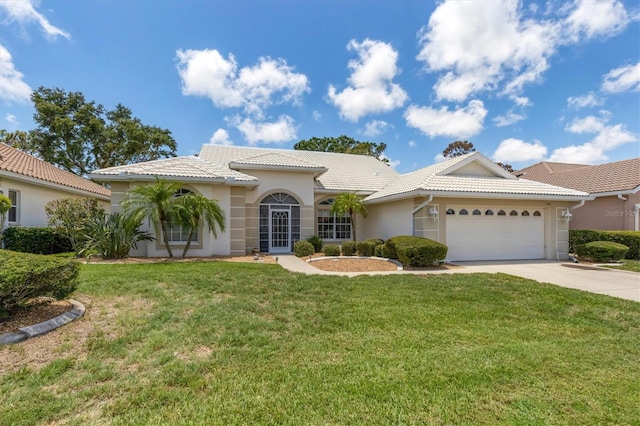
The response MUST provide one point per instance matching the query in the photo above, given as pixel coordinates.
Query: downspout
(577, 206)
(621, 197)
(417, 209)
(636, 212)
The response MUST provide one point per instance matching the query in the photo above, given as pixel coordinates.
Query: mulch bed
(34, 315)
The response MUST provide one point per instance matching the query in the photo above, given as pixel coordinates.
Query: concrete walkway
(622, 284)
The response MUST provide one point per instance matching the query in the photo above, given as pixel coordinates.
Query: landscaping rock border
(28, 332)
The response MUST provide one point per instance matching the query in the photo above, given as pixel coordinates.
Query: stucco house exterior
(31, 183)
(274, 197)
(615, 188)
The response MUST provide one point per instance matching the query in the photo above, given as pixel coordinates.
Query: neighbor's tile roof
(14, 161)
(345, 172)
(610, 177)
(430, 179)
(185, 167)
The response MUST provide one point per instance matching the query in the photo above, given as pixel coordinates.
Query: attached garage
(494, 233)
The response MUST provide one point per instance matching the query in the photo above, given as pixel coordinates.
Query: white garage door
(483, 233)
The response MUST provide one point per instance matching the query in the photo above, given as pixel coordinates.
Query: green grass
(627, 265)
(230, 343)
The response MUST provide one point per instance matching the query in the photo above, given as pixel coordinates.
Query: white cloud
(508, 119)
(12, 86)
(412, 144)
(521, 101)
(392, 163)
(596, 18)
(590, 99)
(220, 137)
(371, 88)
(607, 137)
(11, 118)
(440, 158)
(622, 79)
(375, 127)
(23, 12)
(270, 82)
(500, 46)
(317, 116)
(282, 130)
(459, 123)
(516, 150)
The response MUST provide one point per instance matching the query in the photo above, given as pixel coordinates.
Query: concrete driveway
(623, 284)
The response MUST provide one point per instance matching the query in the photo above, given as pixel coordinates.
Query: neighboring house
(274, 197)
(614, 186)
(31, 183)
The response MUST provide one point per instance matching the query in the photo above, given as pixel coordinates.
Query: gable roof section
(185, 168)
(20, 164)
(344, 172)
(276, 161)
(618, 177)
(440, 179)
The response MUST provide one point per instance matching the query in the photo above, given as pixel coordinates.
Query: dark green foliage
(113, 237)
(415, 251)
(303, 248)
(331, 250)
(368, 247)
(348, 248)
(316, 242)
(343, 144)
(630, 239)
(35, 240)
(379, 251)
(602, 251)
(26, 276)
(389, 251)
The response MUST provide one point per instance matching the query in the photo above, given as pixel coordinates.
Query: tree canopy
(81, 136)
(458, 148)
(343, 144)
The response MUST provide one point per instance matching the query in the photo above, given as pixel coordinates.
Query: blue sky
(524, 81)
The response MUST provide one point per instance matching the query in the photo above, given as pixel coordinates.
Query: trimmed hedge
(378, 252)
(331, 250)
(35, 240)
(368, 247)
(349, 248)
(417, 251)
(303, 248)
(602, 251)
(630, 239)
(26, 276)
(316, 242)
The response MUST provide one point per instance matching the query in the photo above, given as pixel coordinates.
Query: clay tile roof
(610, 177)
(18, 162)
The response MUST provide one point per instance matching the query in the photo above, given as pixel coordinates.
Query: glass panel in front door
(280, 229)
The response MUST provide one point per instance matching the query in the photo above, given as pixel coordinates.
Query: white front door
(279, 229)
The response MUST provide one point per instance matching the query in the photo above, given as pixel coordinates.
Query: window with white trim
(332, 226)
(179, 234)
(13, 214)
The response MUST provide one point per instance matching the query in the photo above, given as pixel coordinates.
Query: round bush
(303, 248)
(379, 252)
(331, 250)
(348, 248)
(602, 251)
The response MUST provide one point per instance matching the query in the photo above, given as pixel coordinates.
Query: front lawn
(232, 343)
(627, 265)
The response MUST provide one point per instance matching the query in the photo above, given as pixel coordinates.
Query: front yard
(233, 343)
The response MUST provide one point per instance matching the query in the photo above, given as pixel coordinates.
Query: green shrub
(316, 242)
(26, 276)
(112, 237)
(368, 247)
(331, 250)
(303, 248)
(348, 248)
(417, 251)
(389, 251)
(630, 239)
(35, 240)
(379, 252)
(71, 217)
(602, 251)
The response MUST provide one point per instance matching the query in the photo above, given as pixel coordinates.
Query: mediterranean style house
(31, 183)
(615, 188)
(275, 197)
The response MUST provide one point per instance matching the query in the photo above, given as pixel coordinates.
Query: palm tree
(351, 203)
(154, 202)
(192, 207)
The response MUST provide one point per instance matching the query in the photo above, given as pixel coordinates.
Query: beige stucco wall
(607, 213)
(396, 218)
(32, 198)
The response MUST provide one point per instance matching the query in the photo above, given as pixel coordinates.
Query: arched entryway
(279, 223)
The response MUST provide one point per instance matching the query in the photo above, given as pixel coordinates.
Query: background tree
(343, 144)
(18, 140)
(191, 208)
(71, 217)
(81, 136)
(507, 167)
(351, 203)
(458, 148)
(154, 202)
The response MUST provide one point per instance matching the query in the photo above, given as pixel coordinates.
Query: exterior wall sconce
(567, 215)
(434, 213)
